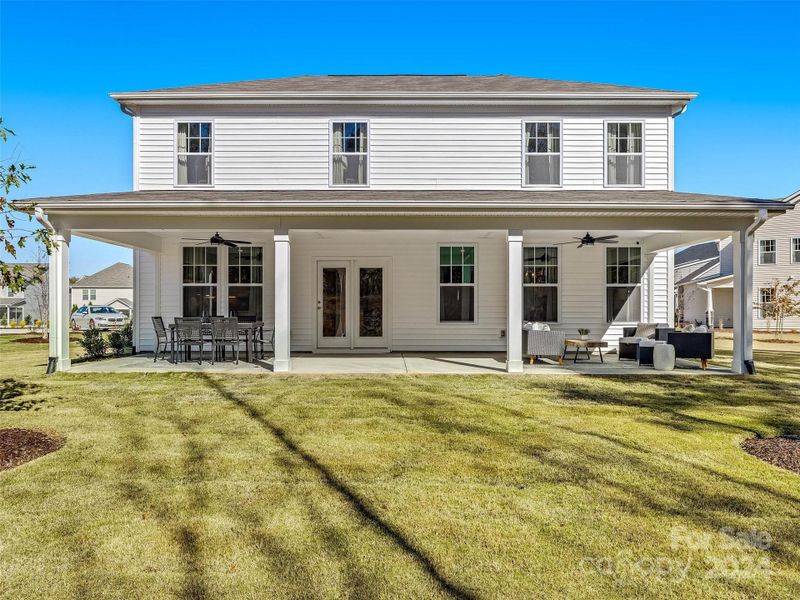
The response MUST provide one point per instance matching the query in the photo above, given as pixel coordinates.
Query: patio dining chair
(225, 332)
(189, 333)
(162, 338)
(263, 338)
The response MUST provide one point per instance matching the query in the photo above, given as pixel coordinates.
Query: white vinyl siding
(412, 150)
(413, 304)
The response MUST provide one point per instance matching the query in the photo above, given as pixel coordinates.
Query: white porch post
(514, 312)
(282, 301)
(742, 300)
(59, 303)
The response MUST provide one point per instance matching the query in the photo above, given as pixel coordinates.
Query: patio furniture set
(220, 333)
(649, 344)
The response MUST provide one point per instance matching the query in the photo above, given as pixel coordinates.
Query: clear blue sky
(60, 60)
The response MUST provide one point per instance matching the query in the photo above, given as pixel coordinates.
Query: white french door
(352, 303)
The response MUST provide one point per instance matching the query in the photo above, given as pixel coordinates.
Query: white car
(97, 317)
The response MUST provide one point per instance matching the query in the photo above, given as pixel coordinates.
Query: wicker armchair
(225, 332)
(544, 342)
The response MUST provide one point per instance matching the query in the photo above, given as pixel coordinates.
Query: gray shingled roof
(407, 84)
(704, 251)
(118, 275)
(604, 199)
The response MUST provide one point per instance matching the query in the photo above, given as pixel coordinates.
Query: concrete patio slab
(395, 363)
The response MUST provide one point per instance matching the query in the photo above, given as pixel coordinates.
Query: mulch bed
(31, 340)
(18, 446)
(782, 452)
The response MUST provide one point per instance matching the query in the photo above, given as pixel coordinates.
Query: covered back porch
(492, 257)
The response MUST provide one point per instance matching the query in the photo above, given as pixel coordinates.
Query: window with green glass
(457, 284)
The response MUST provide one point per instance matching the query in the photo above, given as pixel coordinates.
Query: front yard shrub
(119, 340)
(37, 323)
(93, 342)
(22, 323)
(12, 323)
(2, 322)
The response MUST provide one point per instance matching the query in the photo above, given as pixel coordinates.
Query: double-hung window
(457, 288)
(540, 284)
(88, 294)
(245, 283)
(543, 153)
(767, 252)
(766, 297)
(349, 164)
(796, 250)
(194, 153)
(623, 284)
(200, 281)
(624, 154)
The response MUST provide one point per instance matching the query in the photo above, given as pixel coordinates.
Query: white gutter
(758, 221)
(40, 216)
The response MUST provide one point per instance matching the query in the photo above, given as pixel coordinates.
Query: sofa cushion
(645, 330)
(630, 340)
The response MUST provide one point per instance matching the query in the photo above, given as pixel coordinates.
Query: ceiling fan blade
(230, 244)
(606, 237)
(581, 245)
(607, 241)
(238, 241)
(195, 239)
(562, 243)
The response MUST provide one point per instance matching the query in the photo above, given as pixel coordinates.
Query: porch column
(58, 303)
(282, 301)
(742, 300)
(514, 312)
(709, 307)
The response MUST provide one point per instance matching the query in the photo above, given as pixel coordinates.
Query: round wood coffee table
(586, 345)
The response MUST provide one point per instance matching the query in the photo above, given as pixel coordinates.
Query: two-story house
(28, 304)
(704, 274)
(413, 213)
(112, 286)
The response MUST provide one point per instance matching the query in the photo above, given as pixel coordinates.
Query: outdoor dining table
(248, 327)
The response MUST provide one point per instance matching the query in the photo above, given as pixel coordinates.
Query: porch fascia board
(95, 223)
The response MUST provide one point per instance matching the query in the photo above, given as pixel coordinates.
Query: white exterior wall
(408, 151)
(103, 296)
(146, 298)
(781, 229)
(412, 287)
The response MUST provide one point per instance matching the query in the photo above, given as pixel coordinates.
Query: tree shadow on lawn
(183, 532)
(16, 395)
(358, 505)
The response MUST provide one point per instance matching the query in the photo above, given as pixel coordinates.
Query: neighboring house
(113, 286)
(704, 274)
(412, 213)
(27, 304)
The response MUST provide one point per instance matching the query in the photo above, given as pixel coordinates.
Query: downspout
(758, 221)
(40, 216)
(126, 110)
(680, 111)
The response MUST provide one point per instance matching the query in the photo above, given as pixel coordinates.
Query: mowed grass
(201, 486)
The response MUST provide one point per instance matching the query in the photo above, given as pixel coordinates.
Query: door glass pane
(370, 310)
(334, 307)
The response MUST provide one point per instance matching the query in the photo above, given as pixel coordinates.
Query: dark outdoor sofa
(693, 345)
(628, 350)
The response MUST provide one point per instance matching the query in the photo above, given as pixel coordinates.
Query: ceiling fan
(590, 240)
(217, 240)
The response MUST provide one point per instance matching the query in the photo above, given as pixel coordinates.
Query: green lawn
(196, 486)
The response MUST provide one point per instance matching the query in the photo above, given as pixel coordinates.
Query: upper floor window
(767, 252)
(349, 153)
(88, 294)
(542, 153)
(796, 250)
(624, 154)
(194, 154)
(623, 284)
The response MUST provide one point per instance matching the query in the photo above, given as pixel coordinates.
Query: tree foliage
(17, 226)
(784, 302)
